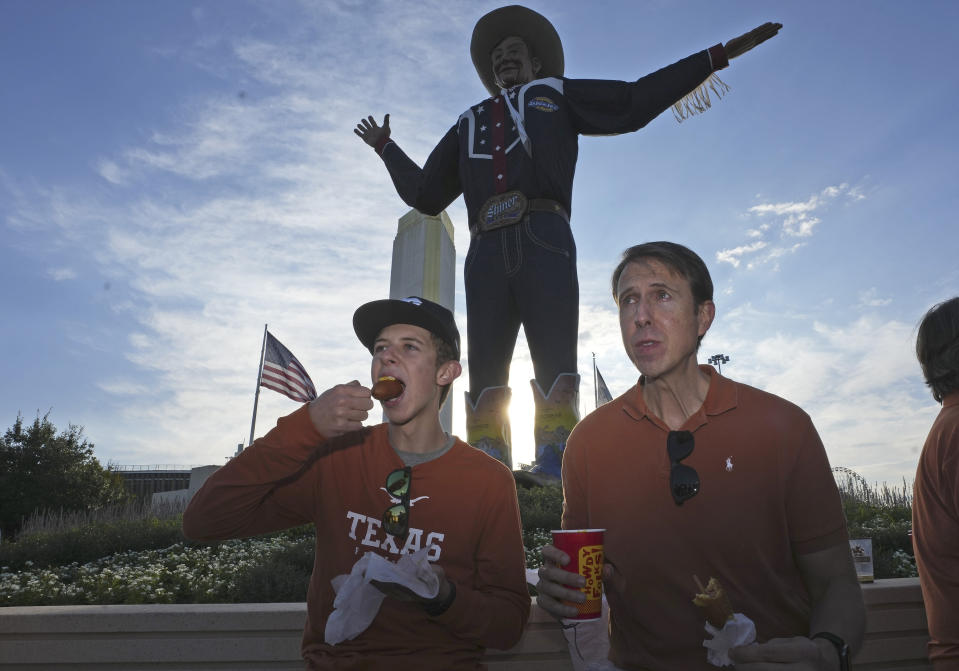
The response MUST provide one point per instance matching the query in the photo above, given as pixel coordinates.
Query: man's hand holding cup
(570, 580)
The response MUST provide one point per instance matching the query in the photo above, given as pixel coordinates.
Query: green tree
(41, 469)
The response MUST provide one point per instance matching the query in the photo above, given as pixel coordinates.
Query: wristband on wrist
(718, 58)
(381, 145)
(841, 647)
(436, 608)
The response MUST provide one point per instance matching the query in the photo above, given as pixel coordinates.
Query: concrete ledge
(160, 636)
(896, 627)
(181, 637)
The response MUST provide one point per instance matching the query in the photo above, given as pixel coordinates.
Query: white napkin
(588, 640)
(357, 601)
(740, 630)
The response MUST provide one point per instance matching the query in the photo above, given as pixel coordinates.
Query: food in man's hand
(713, 600)
(387, 388)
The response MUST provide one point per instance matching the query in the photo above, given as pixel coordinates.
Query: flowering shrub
(903, 565)
(177, 574)
(533, 540)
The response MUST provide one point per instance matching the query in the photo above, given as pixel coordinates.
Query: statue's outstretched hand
(371, 133)
(740, 45)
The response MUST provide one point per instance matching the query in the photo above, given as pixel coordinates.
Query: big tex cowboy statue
(513, 156)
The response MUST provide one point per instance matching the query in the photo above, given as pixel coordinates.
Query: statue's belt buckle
(503, 209)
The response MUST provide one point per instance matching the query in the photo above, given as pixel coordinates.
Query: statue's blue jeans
(521, 274)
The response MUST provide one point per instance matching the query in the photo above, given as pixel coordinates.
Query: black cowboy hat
(538, 33)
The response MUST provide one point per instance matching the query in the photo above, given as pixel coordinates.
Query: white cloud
(780, 209)
(797, 208)
(111, 172)
(732, 256)
(773, 255)
(856, 193)
(120, 387)
(870, 299)
(799, 226)
(796, 220)
(61, 274)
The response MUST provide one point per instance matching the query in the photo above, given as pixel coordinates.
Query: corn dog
(713, 600)
(387, 388)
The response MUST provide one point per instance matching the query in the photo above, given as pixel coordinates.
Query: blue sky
(175, 174)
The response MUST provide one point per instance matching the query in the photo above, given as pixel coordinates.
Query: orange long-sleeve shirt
(463, 507)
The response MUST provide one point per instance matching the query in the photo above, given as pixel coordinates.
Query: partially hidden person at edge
(320, 465)
(512, 156)
(935, 503)
(693, 474)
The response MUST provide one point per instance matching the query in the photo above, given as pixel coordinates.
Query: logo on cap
(412, 299)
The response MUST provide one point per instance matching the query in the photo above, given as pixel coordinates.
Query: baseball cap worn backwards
(371, 318)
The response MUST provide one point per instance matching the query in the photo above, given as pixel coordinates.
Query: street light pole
(718, 360)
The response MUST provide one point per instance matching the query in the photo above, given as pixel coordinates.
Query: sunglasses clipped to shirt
(683, 479)
(396, 519)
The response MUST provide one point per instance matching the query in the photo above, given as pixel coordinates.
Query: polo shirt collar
(722, 396)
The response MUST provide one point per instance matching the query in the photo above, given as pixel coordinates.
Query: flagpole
(595, 388)
(259, 376)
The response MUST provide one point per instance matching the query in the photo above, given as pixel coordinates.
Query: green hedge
(282, 577)
(540, 507)
(84, 544)
(149, 561)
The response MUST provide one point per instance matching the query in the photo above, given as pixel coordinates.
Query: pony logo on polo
(543, 104)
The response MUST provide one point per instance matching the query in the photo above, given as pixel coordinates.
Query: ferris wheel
(845, 476)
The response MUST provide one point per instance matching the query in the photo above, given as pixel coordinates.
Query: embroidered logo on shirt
(729, 463)
(543, 104)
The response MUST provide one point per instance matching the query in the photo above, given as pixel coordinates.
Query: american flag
(283, 373)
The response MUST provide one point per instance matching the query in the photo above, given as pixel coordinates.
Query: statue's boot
(556, 414)
(487, 423)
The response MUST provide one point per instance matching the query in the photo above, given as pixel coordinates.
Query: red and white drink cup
(585, 550)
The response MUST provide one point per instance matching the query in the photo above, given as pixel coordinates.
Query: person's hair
(677, 258)
(444, 352)
(937, 348)
(681, 260)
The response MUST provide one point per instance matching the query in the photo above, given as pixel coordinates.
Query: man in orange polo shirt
(693, 474)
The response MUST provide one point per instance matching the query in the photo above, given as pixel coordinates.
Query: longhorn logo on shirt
(543, 104)
(395, 500)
